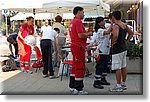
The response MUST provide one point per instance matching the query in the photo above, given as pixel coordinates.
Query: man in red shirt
(78, 37)
(24, 50)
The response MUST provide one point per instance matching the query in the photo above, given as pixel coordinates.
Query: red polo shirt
(26, 30)
(77, 27)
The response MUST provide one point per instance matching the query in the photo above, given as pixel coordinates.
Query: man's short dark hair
(117, 15)
(76, 9)
(29, 18)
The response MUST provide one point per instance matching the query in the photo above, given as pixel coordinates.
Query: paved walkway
(15, 82)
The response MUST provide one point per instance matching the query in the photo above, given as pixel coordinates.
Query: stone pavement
(16, 82)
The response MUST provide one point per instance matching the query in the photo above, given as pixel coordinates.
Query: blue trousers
(101, 65)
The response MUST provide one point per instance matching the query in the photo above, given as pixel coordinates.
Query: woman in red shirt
(24, 50)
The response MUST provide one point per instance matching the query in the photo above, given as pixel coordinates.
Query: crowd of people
(109, 39)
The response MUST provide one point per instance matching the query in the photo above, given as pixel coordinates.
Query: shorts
(119, 60)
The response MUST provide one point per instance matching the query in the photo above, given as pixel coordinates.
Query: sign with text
(5, 12)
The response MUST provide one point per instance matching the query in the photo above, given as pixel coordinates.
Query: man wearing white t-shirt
(47, 38)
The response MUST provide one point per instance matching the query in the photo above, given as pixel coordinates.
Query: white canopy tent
(92, 8)
(53, 6)
(19, 16)
(57, 6)
(43, 16)
(38, 16)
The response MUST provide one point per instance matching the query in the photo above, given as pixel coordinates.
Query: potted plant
(134, 58)
(134, 51)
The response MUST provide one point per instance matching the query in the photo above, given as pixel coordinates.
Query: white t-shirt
(103, 41)
(61, 28)
(48, 33)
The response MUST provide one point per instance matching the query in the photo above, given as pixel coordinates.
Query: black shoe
(97, 84)
(104, 82)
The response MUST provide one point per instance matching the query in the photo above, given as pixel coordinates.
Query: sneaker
(45, 76)
(104, 82)
(72, 90)
(82, 92)
(116, 89)
(89, 61)
(29, 71)
(24, 71)
(124, 86)
(52, 77)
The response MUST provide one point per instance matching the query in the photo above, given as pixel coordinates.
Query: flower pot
(134, 65)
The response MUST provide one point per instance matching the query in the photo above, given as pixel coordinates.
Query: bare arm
(41, 34)
(130, 34)
(10, 48)
(108, 31)
(19, 35)
(115, 32)
(90, 45)
(85, 35)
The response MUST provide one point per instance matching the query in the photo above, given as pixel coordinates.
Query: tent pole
(97, 7)
(6, 25)
(34, 20)
(51, 19)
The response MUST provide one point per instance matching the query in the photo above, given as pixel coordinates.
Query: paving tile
(16, 82)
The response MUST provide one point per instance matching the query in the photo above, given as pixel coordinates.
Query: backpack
(9, 65)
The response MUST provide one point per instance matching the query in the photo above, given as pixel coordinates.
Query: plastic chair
(68, 62)
(38, 53)
(38, 63)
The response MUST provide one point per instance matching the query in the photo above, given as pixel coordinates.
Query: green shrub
(134, 51)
